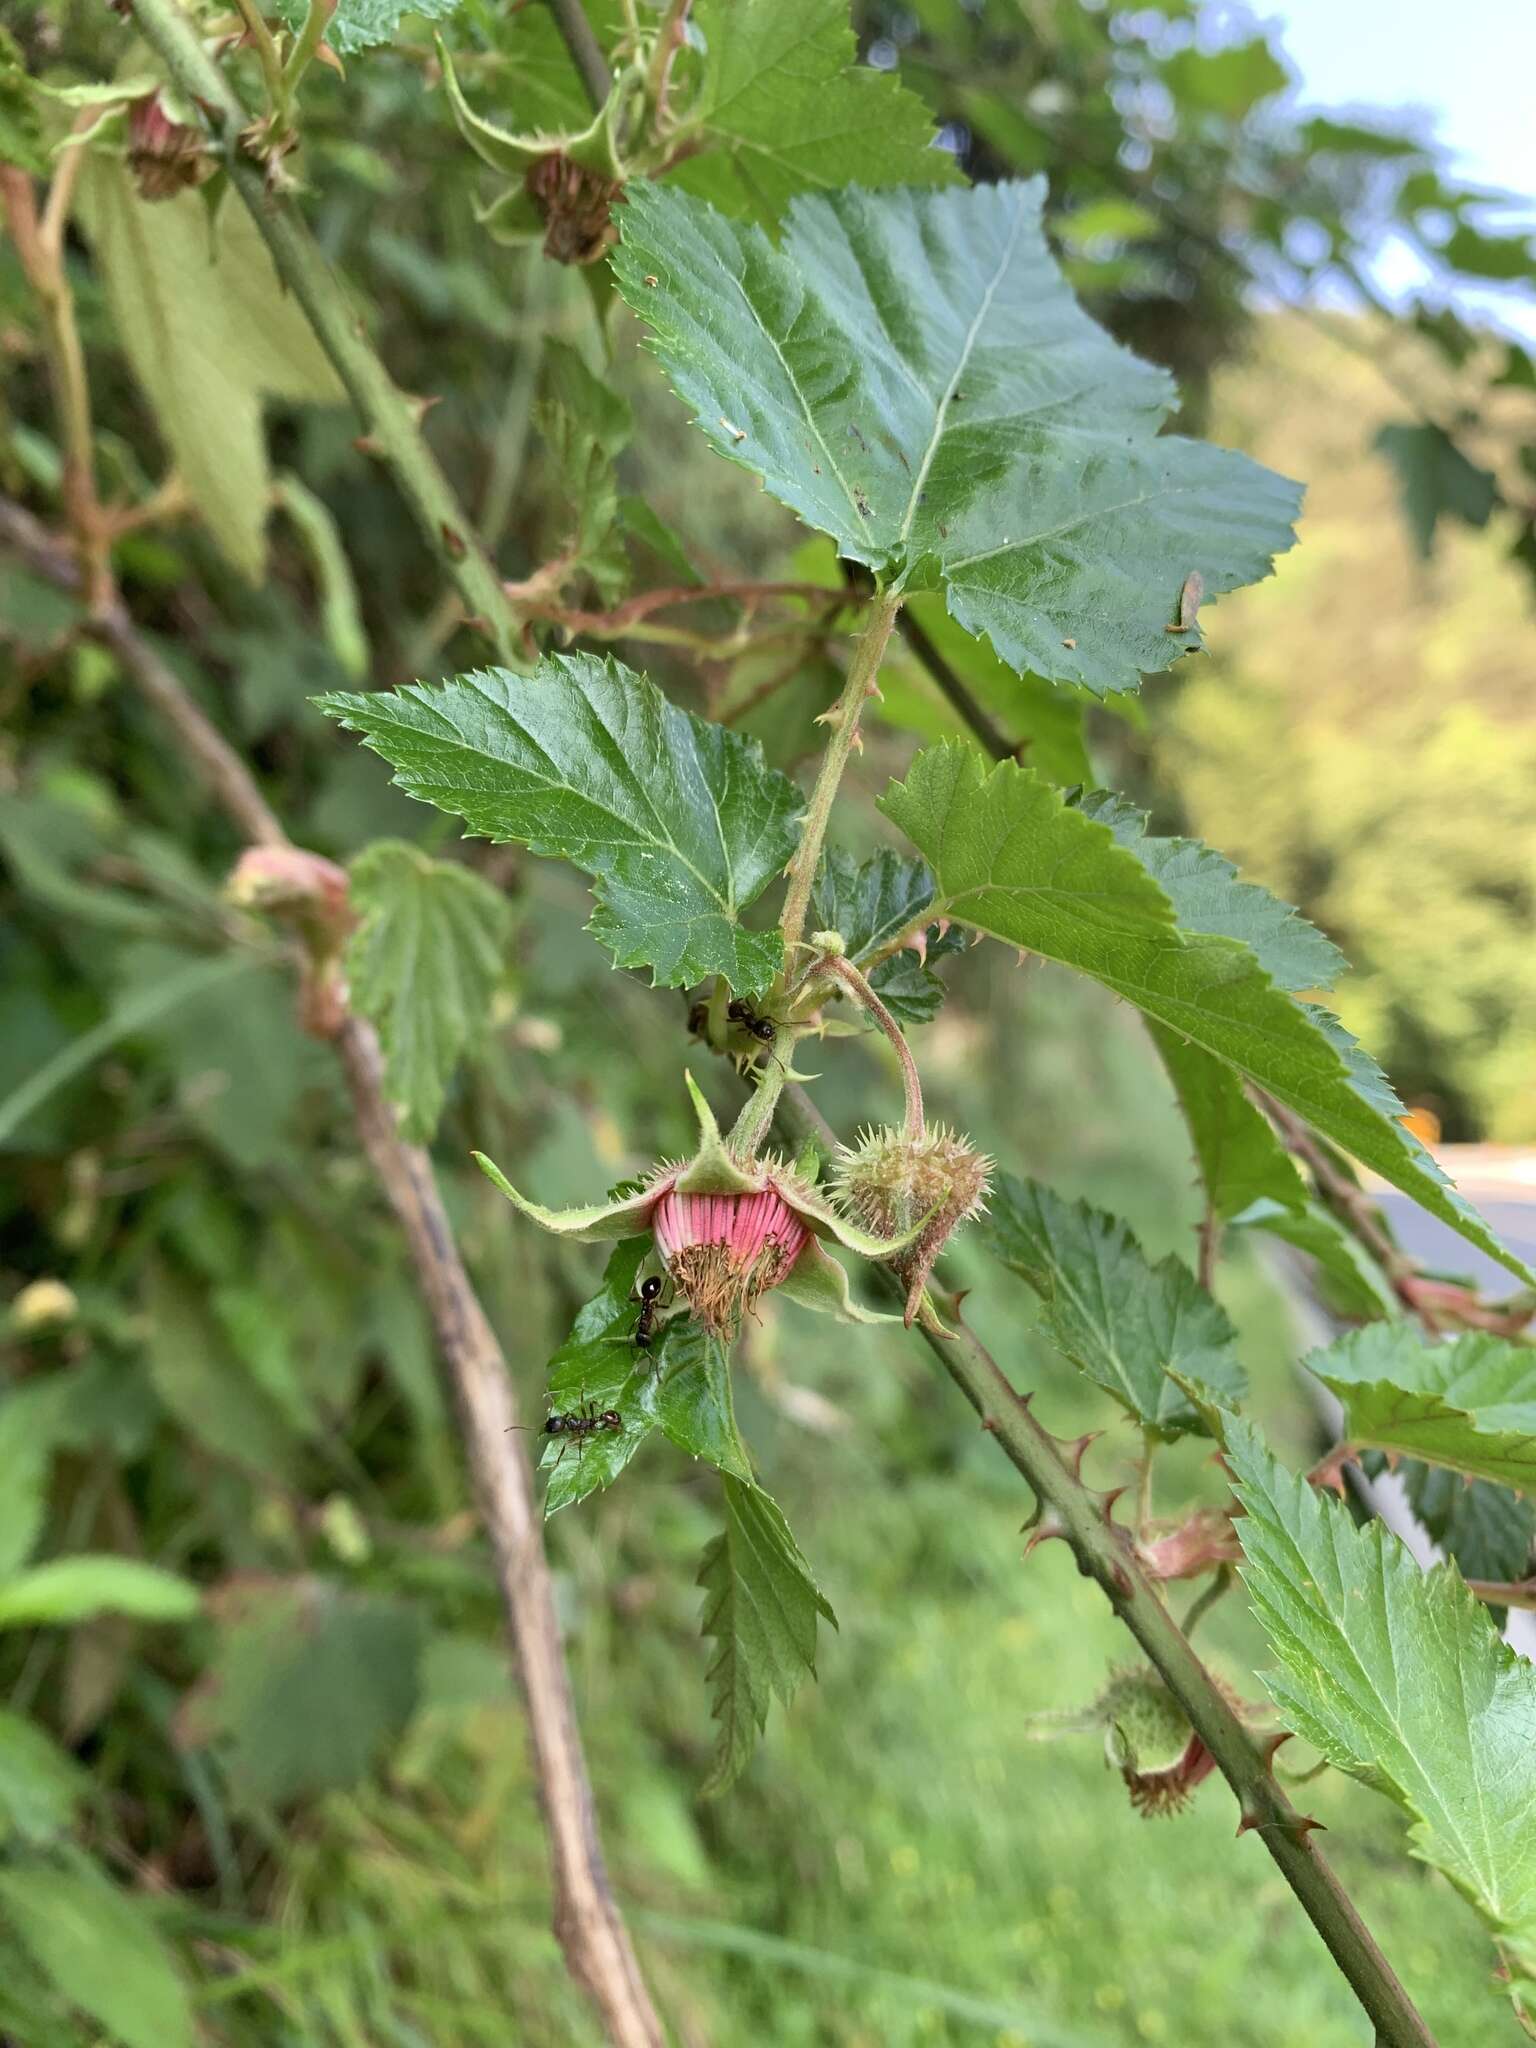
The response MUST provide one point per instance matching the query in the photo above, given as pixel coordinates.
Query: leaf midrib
(941, 413)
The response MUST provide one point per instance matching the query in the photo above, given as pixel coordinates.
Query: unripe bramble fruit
(890, 1180)
(1145, 1728)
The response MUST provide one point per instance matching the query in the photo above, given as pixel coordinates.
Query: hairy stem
(588, 1924)
(391, 418)
(849, 975)
(1103, 1554)
(868, 652)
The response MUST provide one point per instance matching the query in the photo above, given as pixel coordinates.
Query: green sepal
(712, 1170)
(593, 147)
(626, 1218)
(818, 1281)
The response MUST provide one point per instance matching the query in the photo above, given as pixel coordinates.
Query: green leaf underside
(1207, 896)
(1251, 1181)
(1488, 1530)
(869, 902)
(1241, 1161)
(1120, 1319)
(209, 331)
(761, 1605)
(423, 965)
(680, 823)
(1400, 1677)
(1011, 859)
(785, 109)
(909, 372)
(1469, 1405)
(365, 24)
(1352, 1280)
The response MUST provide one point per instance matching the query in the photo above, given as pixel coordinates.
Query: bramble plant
(984, 475)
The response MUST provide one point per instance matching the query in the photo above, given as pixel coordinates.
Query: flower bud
(890, 1181)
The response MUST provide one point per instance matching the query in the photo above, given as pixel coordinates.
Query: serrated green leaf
(1119, 1318)
(365, 24)
(1436, 480)
(909, 372)
(99, 1949)
(693, 1398)
(423, 964)
(586, 427)
(70, 1589)
(869, 902)
(1012, 859)
(680, 823)
(209, 330)
(760, 1609)
(786, 108)
(41, 1785)
(1208, 896)
(1469, 1404)
(601, 1367)
(307, 1689)
(1400, 1677)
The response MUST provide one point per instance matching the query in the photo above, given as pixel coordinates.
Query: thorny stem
(392, 420)
(587, 1920)
(869, 650)
(845, 971)
(1104, 1555)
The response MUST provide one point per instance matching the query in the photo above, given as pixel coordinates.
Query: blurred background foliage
(303, 1814)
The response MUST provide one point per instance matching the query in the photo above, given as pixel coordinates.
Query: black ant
(577, 1427)
(650, 1297)
(763, 1029)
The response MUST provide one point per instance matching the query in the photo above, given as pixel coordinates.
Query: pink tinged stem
(860, 989)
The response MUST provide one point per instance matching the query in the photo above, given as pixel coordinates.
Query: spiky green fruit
(891, 1180)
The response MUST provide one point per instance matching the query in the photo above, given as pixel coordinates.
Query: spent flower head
(915, 1189)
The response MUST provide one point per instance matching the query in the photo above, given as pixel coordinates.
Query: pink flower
(729, 1229)
(723, 1251)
